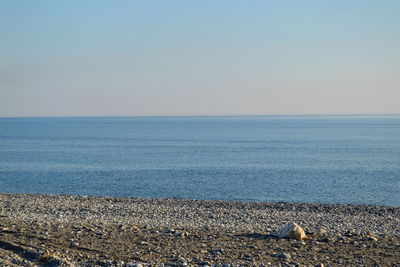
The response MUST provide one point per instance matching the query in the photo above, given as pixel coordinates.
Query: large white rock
(291, 230)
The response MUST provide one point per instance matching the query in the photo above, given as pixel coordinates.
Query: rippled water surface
(331, 159)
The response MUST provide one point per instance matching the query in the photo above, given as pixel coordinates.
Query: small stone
(46, 257)
(316, 249)
(6, 263)
(121, 227)
(50, 259)
(183, 234)
(321, 231)
(291, 230)
(299, 243)
(285, 255)
(372, 238)
(371, 234)
(196, 259)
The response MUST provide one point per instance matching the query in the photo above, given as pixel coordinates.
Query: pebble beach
(61, 230)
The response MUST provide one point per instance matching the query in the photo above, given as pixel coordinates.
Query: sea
(351, 159)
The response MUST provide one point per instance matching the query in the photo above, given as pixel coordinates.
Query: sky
(226, 57)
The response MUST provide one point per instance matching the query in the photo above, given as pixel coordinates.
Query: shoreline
(206, 200)
(90, 229)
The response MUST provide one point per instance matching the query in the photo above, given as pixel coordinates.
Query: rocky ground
(46, 230)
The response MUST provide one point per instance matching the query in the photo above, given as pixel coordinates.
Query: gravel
(239, 216)
(61, 230)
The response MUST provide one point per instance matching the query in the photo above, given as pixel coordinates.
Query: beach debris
(291, 230)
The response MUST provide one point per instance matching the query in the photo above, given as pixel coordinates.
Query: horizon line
(210, 115)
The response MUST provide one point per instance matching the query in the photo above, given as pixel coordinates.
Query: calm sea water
(329, 159)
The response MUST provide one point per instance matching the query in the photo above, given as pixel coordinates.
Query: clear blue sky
(95, 58)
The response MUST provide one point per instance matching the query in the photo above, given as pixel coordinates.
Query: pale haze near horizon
(131, 58)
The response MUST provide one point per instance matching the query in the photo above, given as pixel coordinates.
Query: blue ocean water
(317, 159)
